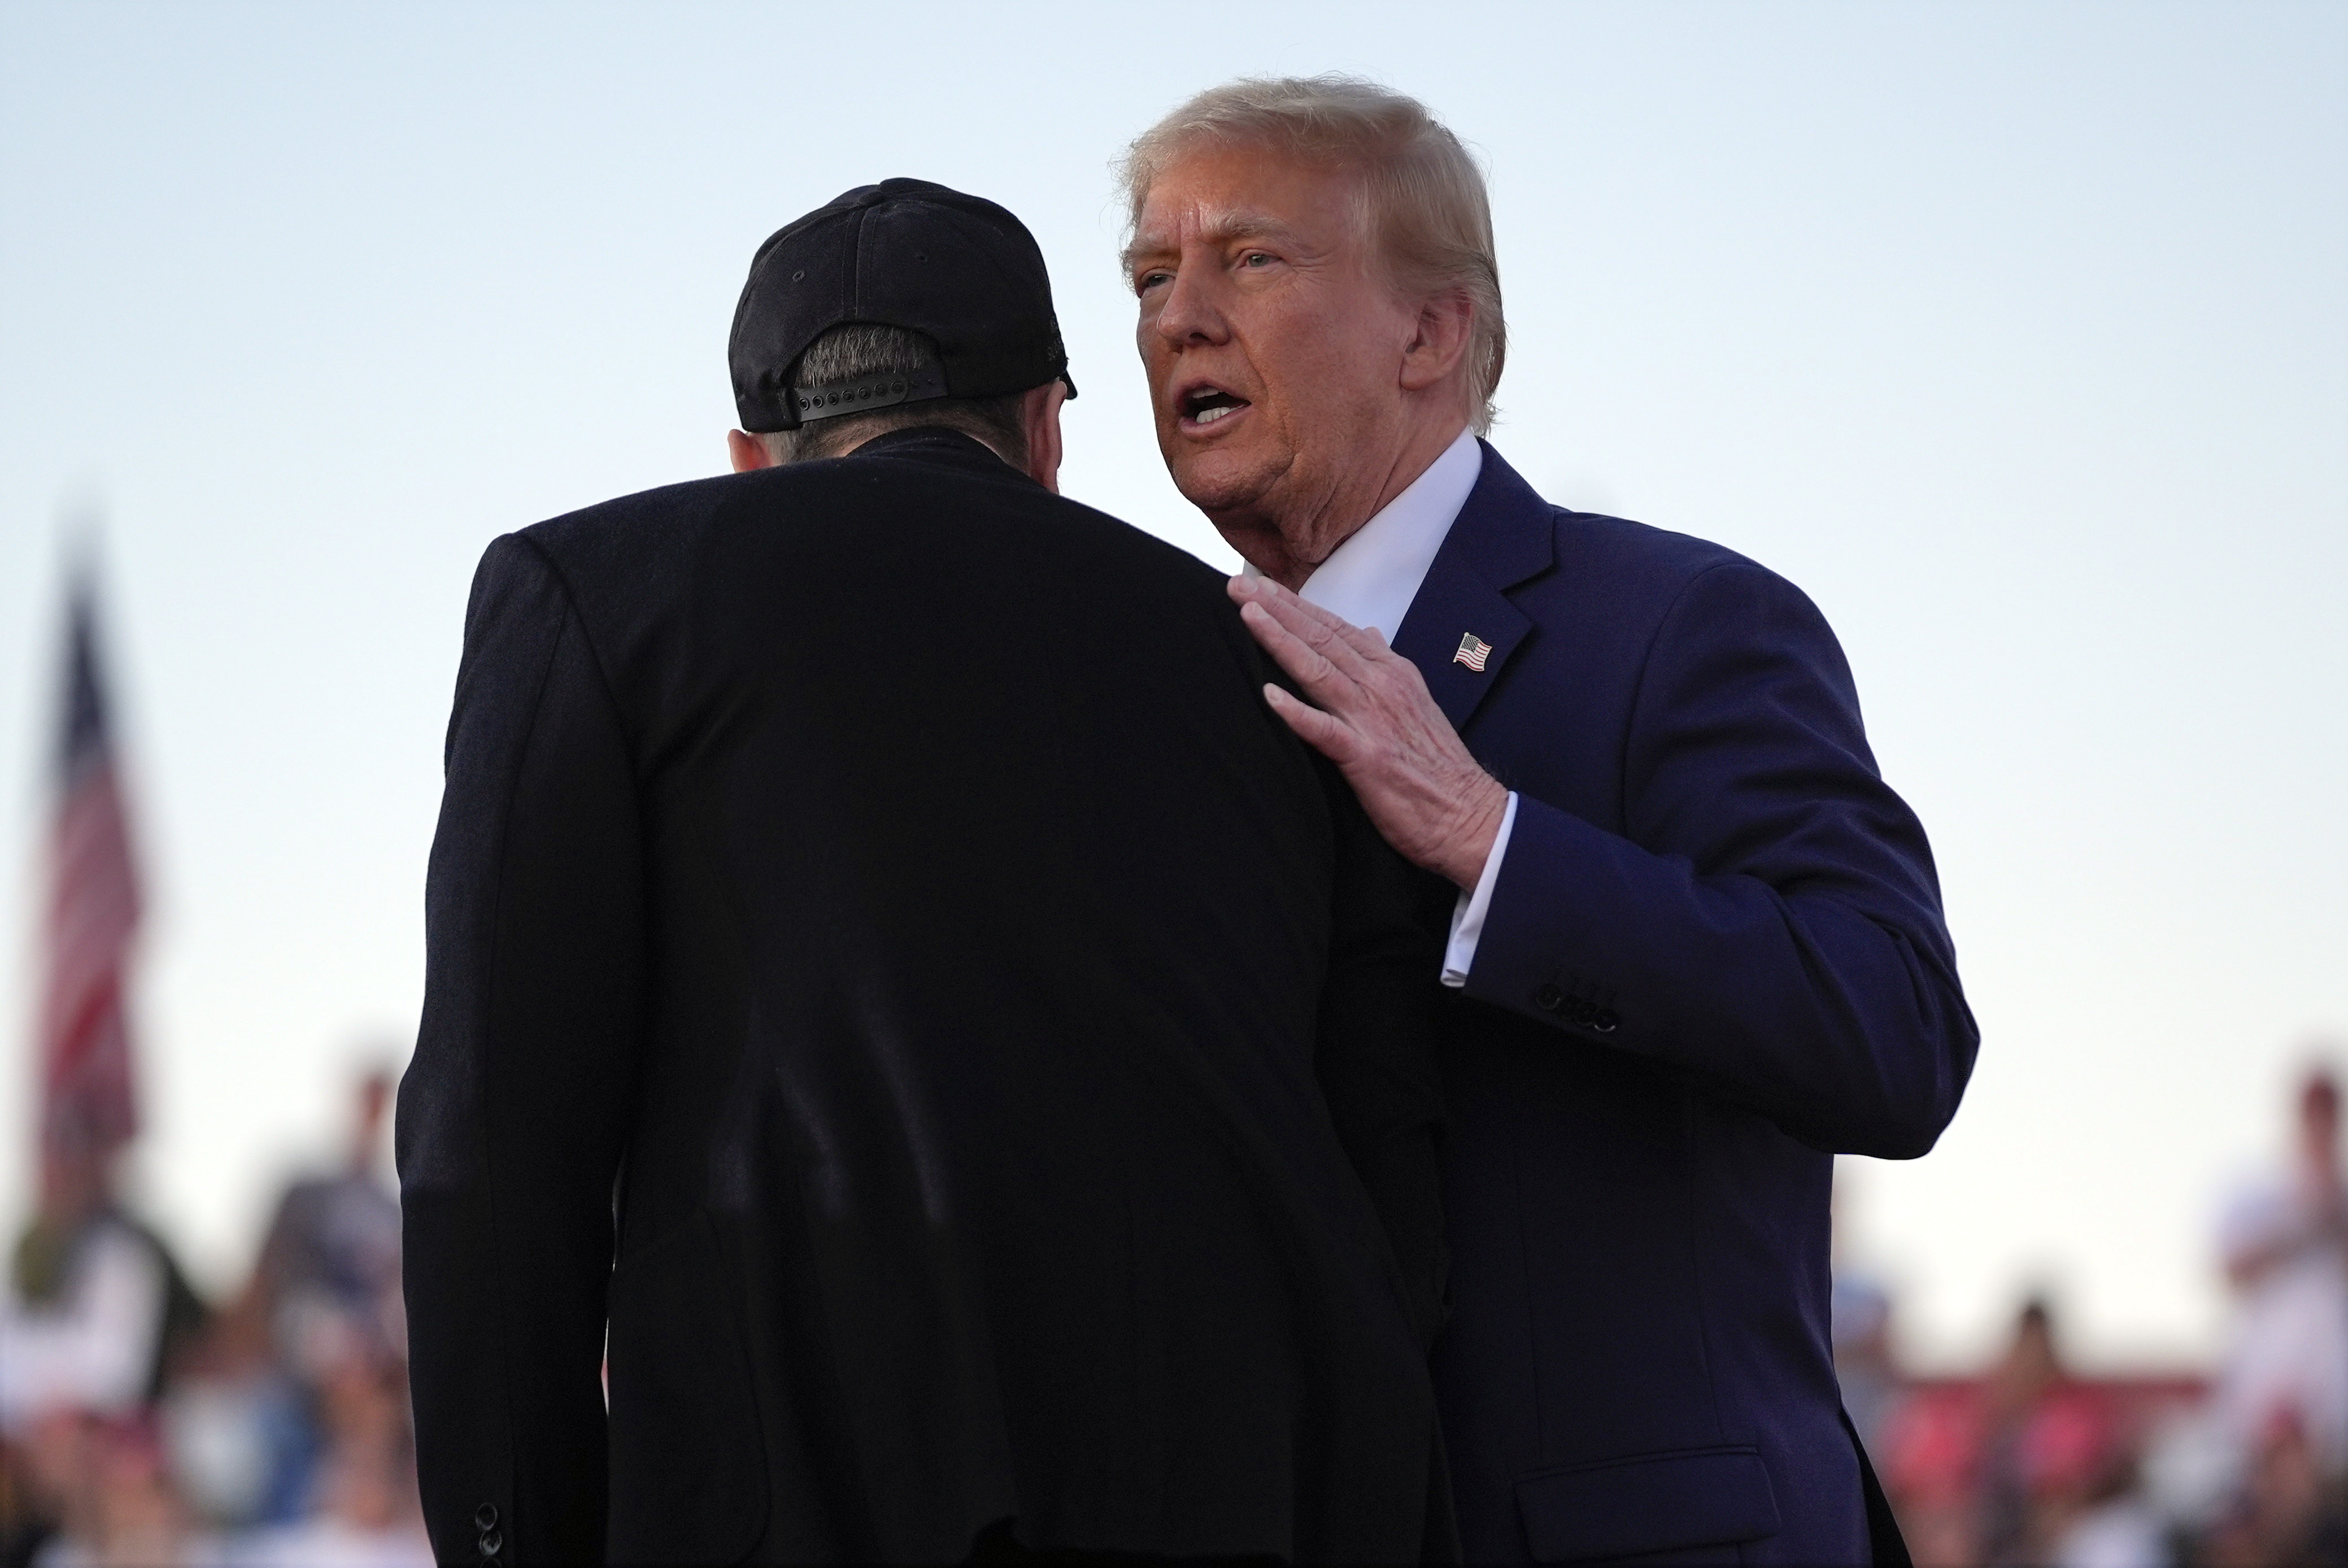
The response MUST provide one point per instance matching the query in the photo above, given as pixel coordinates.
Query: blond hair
(1421, 193)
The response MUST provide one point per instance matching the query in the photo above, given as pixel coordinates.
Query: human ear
(1039, 417)
(1438, 342)
(748, 453)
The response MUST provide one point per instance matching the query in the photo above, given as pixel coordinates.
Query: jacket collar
(940, 444)
(1503, 536)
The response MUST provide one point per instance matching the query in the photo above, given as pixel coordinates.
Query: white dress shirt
(1371, 580)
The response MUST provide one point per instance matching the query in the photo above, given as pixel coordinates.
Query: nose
(1189, 312)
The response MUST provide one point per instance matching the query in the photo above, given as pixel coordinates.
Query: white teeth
(1209, 415)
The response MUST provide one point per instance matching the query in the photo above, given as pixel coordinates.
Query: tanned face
(1280, 361)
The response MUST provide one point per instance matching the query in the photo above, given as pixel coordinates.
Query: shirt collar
(1374, 573)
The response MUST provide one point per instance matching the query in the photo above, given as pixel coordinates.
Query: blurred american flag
(87, 1098)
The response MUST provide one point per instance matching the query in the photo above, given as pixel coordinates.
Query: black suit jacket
(886, 962)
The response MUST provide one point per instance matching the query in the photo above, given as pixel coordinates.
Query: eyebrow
(1221, 229)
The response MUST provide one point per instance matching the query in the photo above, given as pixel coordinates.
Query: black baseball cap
(906, 253)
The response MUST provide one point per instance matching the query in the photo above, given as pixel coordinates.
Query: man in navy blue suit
(1696, 945)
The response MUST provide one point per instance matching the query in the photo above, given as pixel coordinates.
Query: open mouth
(1206, 406)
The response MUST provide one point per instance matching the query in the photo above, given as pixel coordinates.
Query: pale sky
(2017, 335)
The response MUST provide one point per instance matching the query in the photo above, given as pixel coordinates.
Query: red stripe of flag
(89, 1099)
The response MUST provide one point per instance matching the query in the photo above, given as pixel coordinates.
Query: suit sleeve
(510, 1117)
(1375, 1052)
(1770, 922)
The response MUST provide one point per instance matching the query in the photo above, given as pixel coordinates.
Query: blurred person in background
(96, 1308)
(1930, 1451)
(2019, 1400)
(2284, 1244)
(2057, 1473)
(361, 1503)
(1865, 1368)
(108, 1481)
(293, 1426)
(333, 1247)
(2028, 1465)
(2272, 1449)
(96, 1316)
(328, 1286)
(1858, 1318)
(2291, 1511)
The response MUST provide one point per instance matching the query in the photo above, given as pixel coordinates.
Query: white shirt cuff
(1467, 914)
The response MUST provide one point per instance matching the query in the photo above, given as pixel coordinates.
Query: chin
(1218, 482)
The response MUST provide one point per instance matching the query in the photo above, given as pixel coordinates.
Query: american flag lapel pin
(1473, 650)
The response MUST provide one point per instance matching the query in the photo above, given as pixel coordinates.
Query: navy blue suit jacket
(1715, 957)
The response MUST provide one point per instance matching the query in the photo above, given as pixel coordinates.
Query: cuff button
(486, 1516)
(1548, 998)
(1605, 1022)
(490, 1543)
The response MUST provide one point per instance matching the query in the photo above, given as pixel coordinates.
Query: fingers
(1301, 616)
(1324, 732)
(1293, 645)
(1265, 591)
(1337, 674)
(1311, 669)
(1325, 629)
(1347, 647)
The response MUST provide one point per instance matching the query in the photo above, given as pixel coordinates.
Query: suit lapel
(1502, 536)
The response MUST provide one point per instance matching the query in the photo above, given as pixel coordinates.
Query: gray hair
(859, 349)
(1421, 193)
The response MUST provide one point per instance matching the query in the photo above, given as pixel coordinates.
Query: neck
(1290, 546)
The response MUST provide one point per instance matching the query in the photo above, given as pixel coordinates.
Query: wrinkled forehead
(1215, 193)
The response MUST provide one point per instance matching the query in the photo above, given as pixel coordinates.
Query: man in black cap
(893, 982)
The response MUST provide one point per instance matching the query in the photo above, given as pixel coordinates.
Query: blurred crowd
(2031, 1463)
(141, 1424)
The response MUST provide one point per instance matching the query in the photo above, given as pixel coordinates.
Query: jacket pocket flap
(1647, 1502)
